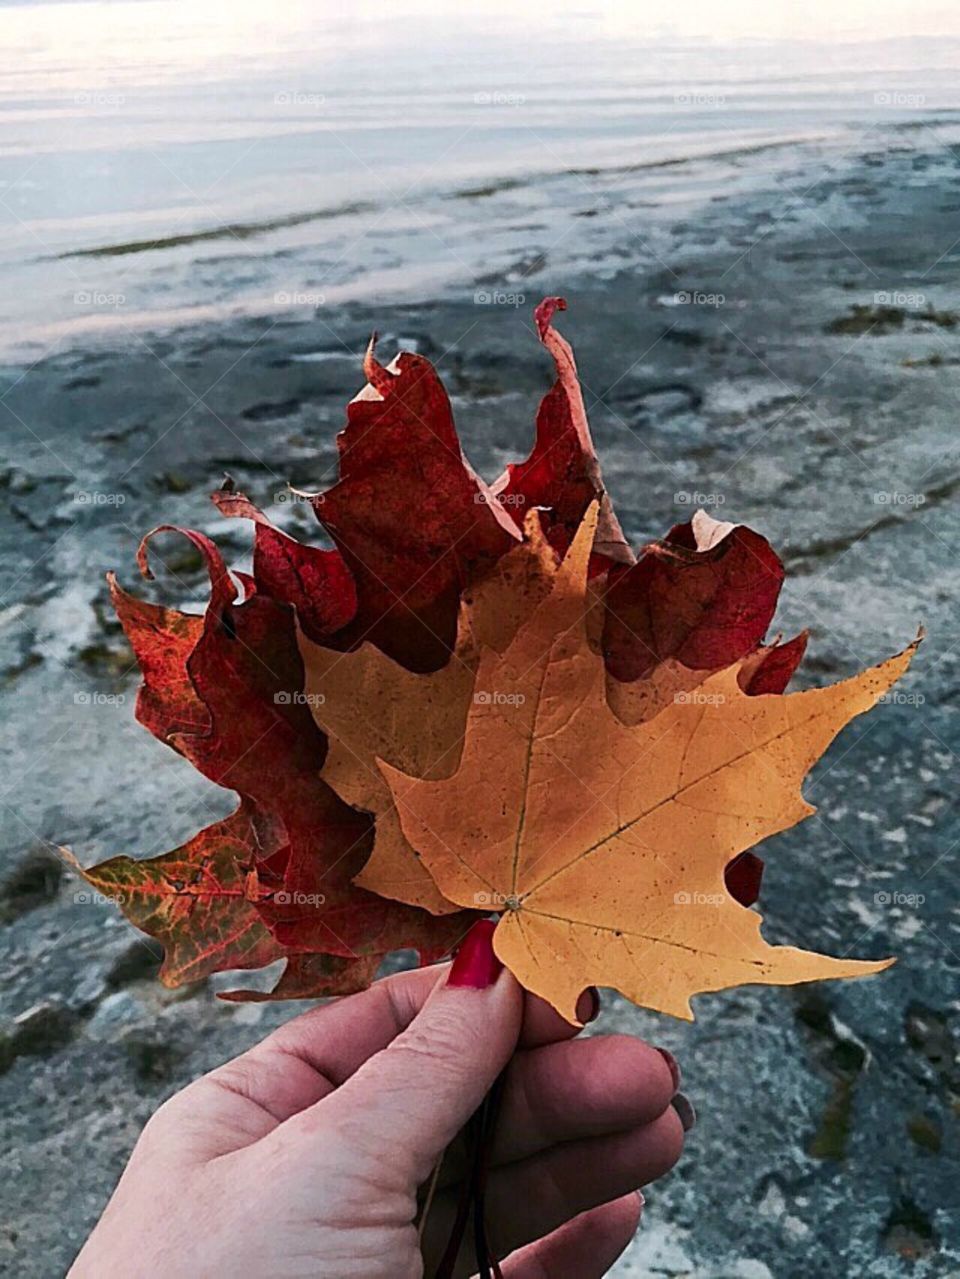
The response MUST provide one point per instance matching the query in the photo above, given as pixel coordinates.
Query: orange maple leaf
(604, 844)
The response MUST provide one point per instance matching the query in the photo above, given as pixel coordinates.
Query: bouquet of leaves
(480, 700)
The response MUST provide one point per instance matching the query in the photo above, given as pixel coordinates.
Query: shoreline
(436, 245)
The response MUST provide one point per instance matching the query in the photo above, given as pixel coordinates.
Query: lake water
(164, 161)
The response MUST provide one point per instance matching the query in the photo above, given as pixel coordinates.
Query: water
(163, 162)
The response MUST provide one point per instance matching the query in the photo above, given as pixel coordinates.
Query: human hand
(305, 1156)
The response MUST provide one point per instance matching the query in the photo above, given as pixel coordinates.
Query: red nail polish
(684, 1108)
(671, 1061)
(475, 964)
(588, 1005)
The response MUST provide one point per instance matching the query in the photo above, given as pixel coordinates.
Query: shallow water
(162, 162)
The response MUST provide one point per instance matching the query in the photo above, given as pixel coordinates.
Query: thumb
(417, 1093)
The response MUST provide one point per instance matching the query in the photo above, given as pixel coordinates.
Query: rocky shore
(788, 358)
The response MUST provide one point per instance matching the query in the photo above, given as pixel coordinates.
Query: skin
(304, 1156)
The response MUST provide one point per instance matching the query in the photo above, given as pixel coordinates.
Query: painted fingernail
(684, 1108)
(588, 1005)
(674, 1065)
(475, 964)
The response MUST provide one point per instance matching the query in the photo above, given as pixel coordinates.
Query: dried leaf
(194, 900)
(703, 597)
(370, 707)
(274, 880)
(562, 474)
(606, 844)
(412, 521)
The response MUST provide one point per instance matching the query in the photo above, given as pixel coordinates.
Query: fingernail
(588, 1005)
(684, 1108)
(475, 964)
(674, 1065)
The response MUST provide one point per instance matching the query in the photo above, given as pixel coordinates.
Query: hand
(304, 1156)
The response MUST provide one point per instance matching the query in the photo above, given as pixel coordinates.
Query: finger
(405, 1104)
(305, 1059)
(586, 1247)
(581, 1088)
(542, 1024)
(532, 1198)
(298, 1065)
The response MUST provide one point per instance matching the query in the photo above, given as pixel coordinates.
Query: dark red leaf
(162, 639)
(316, 582)
(562, 474)
(705, 596)
(742, 878)
(301, 845)
(413, 522)
(777, 666)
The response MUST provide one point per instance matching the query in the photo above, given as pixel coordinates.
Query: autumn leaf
(276, 879)
(562, 474)
(605, 844)
(707, 593)
(369, 707)
(300, 677)
(197, 901)
(201, 883)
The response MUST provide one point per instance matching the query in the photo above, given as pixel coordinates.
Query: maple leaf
(703, 596)
(413, 524)
(562, 474)
(275, 879)
(605, 844)
(370, 707)
(201, 882)
(297, 679)
(197, 901)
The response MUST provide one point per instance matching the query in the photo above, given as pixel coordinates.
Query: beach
(768, 330)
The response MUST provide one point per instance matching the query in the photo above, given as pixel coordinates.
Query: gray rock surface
(827, 1138)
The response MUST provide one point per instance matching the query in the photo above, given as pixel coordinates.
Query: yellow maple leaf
(605, 843)
(371, 708)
